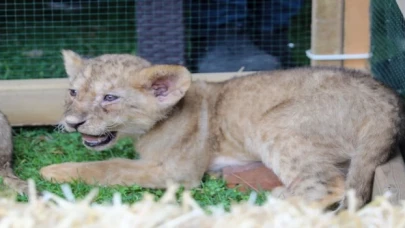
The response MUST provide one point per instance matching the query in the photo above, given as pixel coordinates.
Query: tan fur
(6, 153)
(321, 130)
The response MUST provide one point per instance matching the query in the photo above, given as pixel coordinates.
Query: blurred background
(206, 36)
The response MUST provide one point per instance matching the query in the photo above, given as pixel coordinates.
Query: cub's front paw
(60, 173)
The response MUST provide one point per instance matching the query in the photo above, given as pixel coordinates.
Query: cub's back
(317, 101)
(259, 92)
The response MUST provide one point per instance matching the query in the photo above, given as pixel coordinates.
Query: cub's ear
(168, 83)
(73, 63)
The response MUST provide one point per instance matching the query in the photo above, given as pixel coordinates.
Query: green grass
(38, 147)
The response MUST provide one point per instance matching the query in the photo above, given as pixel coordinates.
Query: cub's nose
(74, 122)
(75, 125)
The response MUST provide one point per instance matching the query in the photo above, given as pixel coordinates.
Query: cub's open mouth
(99, 140)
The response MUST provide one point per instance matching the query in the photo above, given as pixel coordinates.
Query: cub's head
(113, 95)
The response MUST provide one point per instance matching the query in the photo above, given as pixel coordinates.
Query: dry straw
(50, 210)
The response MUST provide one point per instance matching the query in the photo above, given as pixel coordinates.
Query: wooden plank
(33, 102)
(356, 32)
(391, 177)
(40, 101)
(327, 30)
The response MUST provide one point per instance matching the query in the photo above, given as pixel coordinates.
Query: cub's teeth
(98, 140)
(95, 139)
(101, 139)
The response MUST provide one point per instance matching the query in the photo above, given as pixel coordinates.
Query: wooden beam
(327, 30)
(32, 102)
(40, 101)
(356, 32)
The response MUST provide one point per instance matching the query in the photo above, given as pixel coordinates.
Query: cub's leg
(6, 150)
(307, 169)
(150, 174)
(320, 183)
(375, 150)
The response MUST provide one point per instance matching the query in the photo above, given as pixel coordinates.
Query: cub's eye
(110, 97)
(72, 92)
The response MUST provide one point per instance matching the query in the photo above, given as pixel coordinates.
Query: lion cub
(320, 130)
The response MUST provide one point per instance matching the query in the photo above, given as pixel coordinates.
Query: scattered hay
(53, 211)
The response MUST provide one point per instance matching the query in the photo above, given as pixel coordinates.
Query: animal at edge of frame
(6, 154)
(321, 130)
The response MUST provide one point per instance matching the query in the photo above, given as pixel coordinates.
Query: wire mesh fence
(388, 43)
(34, 32)
(258, 35)
(206, 36)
